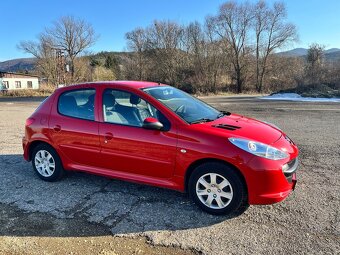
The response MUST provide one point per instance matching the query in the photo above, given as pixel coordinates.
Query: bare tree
(46, 63)
(233, 24)
(315, 59)
(271, 32)
(166, 49)
(137, 43)
(206, 54)
(69, 35)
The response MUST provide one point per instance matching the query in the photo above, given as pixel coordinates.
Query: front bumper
(271, 198)
(271, 181)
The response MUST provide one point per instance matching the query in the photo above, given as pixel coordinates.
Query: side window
(77, 103)
(126, 108)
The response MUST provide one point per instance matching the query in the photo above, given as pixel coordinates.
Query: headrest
(68, 105)
(109, 100)
(68, 101)
(91, 98)
(134, 99)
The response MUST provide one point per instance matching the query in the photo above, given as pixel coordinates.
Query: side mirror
(152, 123)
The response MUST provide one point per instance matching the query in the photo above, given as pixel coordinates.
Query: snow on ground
(297, 97)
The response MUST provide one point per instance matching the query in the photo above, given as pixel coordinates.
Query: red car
(155, 134)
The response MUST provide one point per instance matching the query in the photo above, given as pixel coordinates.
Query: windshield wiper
(201, 120)
(223, 113)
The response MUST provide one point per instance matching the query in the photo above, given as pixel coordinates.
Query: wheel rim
(214, 191)
(44, 163)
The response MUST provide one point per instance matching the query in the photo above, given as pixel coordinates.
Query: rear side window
(77, 103)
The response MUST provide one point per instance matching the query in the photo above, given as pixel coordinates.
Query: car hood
(239, 126)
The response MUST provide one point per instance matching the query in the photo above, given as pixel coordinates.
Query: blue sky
(317, 20)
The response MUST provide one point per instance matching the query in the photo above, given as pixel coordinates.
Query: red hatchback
(158, 135)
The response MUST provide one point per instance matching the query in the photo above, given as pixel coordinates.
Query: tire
(48, 157)
(226, 195)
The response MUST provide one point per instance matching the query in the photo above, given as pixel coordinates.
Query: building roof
(20, 74)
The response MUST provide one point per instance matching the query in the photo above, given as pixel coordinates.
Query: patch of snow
(297, 97)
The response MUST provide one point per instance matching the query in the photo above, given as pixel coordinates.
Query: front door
(126, 146)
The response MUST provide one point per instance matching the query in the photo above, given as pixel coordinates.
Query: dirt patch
(39, 233)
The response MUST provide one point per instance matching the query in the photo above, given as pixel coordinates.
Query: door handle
(108, 136)
(57, 128)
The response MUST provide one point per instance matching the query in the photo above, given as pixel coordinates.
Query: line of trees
(232, 50)
(233, 47)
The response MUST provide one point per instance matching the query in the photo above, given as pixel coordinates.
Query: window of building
(77, 103)
(29, 84)
(18, 84)
(5, 84)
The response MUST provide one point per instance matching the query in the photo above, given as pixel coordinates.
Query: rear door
(74, 128)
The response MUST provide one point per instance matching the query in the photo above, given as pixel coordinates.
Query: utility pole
(62, 66)
(60, 57)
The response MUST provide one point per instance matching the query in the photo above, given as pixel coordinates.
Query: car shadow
(87, 205)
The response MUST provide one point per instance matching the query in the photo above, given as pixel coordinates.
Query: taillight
(29, 121)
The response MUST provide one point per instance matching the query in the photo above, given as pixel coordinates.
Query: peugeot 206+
(158, 135)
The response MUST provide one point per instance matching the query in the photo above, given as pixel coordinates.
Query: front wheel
(217, 188)
(46, 163)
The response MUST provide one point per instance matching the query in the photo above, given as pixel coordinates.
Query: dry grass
(44, 91)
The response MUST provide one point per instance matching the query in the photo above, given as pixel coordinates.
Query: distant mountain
(332, 56)
(19, 64)
(299, 52)
(332, 50)
(28, 64)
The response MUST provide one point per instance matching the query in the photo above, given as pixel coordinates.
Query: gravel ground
(86, 214)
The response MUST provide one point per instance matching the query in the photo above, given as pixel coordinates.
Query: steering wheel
(181, 109)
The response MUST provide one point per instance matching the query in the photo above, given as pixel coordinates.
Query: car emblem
(252, 146)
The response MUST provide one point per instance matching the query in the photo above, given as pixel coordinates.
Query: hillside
(19, 64)
(332, 54)
(28, 64)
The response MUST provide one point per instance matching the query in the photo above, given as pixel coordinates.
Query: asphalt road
(88, 214)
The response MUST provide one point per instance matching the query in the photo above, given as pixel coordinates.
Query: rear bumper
(25, 148)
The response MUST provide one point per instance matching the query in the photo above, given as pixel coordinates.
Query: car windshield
(185, 106)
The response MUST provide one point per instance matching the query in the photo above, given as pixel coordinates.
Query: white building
(13, 81)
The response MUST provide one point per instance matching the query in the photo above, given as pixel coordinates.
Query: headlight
(259, 149)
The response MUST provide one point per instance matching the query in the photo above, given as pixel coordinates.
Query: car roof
(131, 84)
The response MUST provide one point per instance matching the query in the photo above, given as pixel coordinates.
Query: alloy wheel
(214, 191)
(44, 163)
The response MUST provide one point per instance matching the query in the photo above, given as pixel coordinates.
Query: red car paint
(154, 157)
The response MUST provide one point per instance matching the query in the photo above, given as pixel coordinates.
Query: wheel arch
(199, 162)
(33, 145)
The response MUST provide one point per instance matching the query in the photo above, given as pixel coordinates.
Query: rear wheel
(217, 188)
(46, 163)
